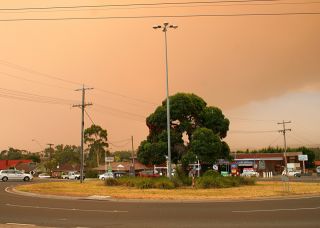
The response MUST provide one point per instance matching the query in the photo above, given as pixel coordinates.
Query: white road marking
(65, 209)
(275, 210)
(19, 224)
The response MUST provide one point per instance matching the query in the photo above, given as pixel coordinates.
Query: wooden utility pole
(283, 131)
(83, 105)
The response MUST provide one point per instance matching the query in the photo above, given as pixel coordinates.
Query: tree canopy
(96, 137)
(191, 122)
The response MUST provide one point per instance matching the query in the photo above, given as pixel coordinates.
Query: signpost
(108, 159)
(303, 158)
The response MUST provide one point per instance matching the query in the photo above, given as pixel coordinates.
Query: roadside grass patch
(90, 188)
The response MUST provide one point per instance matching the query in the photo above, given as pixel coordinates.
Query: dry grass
(89, 188)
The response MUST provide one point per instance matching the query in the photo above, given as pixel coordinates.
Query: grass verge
(89, 188)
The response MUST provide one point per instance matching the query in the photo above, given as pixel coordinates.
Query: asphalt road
(21, 210)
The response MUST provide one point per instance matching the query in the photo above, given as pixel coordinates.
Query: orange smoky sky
(258, 69)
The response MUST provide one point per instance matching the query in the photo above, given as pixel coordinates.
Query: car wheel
(103, 178)
(4, 179)
(26, 179)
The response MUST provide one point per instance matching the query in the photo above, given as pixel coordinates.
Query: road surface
(18, 211)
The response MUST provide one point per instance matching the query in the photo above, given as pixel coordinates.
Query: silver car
(106, 175)
(11, 174)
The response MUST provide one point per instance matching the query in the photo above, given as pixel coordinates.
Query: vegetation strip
(89, 188)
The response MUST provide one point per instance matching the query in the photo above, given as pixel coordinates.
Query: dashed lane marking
(280, 209)
(19, 224)
(65, 209)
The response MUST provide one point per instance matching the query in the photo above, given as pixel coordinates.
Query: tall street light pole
(165, 28)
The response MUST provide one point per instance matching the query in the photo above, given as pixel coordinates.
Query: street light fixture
(164, 28)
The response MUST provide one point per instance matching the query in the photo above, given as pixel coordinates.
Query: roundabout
(17, 209)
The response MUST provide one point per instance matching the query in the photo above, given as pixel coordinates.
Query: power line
(28, 70)
(252, 132)
(19, 95)
(219, 4)
(125, 96)
(131, 4)
(121, 111)
(52, 77)
(32, 81)
(162, 16)
(89, 117)
(119, 115)
(249, 119)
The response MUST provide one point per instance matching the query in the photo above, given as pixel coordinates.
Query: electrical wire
(33, 81)
(89, 117)
(52, 77)
(252, 132)
(31, 71)
(163, 16)
(192, 5)
(19, 95)
(131, 4)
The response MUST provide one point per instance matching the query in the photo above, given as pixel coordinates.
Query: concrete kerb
(110, 199)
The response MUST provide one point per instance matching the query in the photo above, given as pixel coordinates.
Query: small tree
(96, 137)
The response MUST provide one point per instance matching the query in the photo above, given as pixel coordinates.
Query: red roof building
(6, 164)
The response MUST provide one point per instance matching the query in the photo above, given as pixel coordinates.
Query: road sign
(303, 157)
(109, 159)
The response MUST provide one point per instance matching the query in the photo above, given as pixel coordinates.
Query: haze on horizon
(259, 70)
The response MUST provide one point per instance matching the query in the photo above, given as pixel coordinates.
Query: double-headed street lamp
(165, 28)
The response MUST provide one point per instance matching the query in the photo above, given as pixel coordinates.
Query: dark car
(148, 173)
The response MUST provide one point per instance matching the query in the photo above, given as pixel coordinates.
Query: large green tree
(97, 140)
(188, 112)
(67, 154)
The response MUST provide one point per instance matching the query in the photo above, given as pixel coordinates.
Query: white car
(106, 176)
(250, 174)
(292, 173)
(44, 175)
(11, 174)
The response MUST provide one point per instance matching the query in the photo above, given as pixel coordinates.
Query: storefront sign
(303, 157)
(245, 163)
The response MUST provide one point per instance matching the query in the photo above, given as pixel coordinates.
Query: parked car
(72, 175)
(250, 174)
(12, 174)
(106, 175)
(318, 170)
(44, 175)
(148, 173)
(292, 173)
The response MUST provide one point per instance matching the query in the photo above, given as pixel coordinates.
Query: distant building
(121, 167)
(6, 164)
(266, 162)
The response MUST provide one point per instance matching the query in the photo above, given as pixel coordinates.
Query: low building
(121, 167)
(64, 169)
(267, 162)
(7, 164)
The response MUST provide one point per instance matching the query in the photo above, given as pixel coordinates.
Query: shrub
(247, 180)
(111, 182)
(91, 173)
(181, 179)
(209, 181)
(212, 173)
(128, 181)
(144, 183)
(163, 183)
